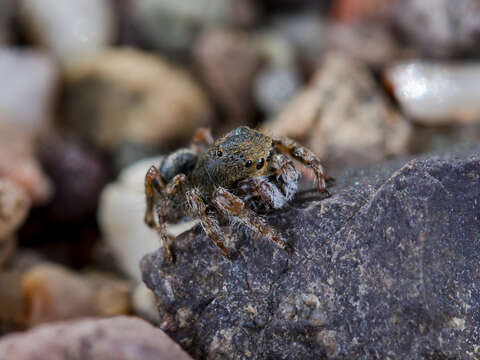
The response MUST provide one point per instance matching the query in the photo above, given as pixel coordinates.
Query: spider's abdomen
(179, 162)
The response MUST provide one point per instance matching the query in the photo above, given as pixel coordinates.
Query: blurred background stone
(352, 11)
(72, 30)
(19, 164)
(54, 293)
(440, 28)
(343, 116)
(373, 43)
(228, 63)
(127, 96)
(14, 207)
(172, 27)
(280, 76)
(435, 93)
(28, 100)
(305, 31)
(119, 338)
(6, 16)
(120, 214)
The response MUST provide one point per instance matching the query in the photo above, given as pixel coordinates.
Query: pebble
(119, 338)
(54, 293)
(342, 102)
(32, 79)
(440, 28)
(228, 63)
(275, 86)
(128, 96)
(370, 42)
(173, 26)
(72, 29)
(433, 93)
(120, 215)
(6, 16)
(14, 207)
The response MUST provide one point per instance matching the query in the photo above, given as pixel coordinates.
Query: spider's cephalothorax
(225, 179)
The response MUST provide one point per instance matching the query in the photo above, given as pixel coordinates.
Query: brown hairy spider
(230, 179)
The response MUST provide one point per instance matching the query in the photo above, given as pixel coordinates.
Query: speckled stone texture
(387, 267)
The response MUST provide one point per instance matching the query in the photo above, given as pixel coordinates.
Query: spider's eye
(260, 163)
(219, 153)
(248, 163)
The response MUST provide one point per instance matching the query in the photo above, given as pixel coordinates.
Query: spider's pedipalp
(263, 188)
(305, 156)
(232, 206)
(286, 174)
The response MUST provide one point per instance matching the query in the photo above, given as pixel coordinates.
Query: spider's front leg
(154, 183)
(209, 224)
(232, 206)
(305, 156)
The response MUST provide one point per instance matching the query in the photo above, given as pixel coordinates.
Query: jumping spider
(227, 179)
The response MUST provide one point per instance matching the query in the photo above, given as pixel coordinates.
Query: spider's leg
(154, 183)
(286, 174)
(305, 156)
(209, 224)
(202, 139)
(232, 206)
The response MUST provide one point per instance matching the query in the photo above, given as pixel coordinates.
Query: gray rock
(387, 267)
(119, 338)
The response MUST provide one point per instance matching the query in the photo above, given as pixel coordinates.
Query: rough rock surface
(387, 267)
(119, 338)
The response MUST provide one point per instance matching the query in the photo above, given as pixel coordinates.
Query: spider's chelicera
(228, 179)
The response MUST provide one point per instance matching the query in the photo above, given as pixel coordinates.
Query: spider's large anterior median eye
(219, 153)
(260, 163)
(248, 163)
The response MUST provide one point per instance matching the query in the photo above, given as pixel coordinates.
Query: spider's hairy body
(227, 179)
